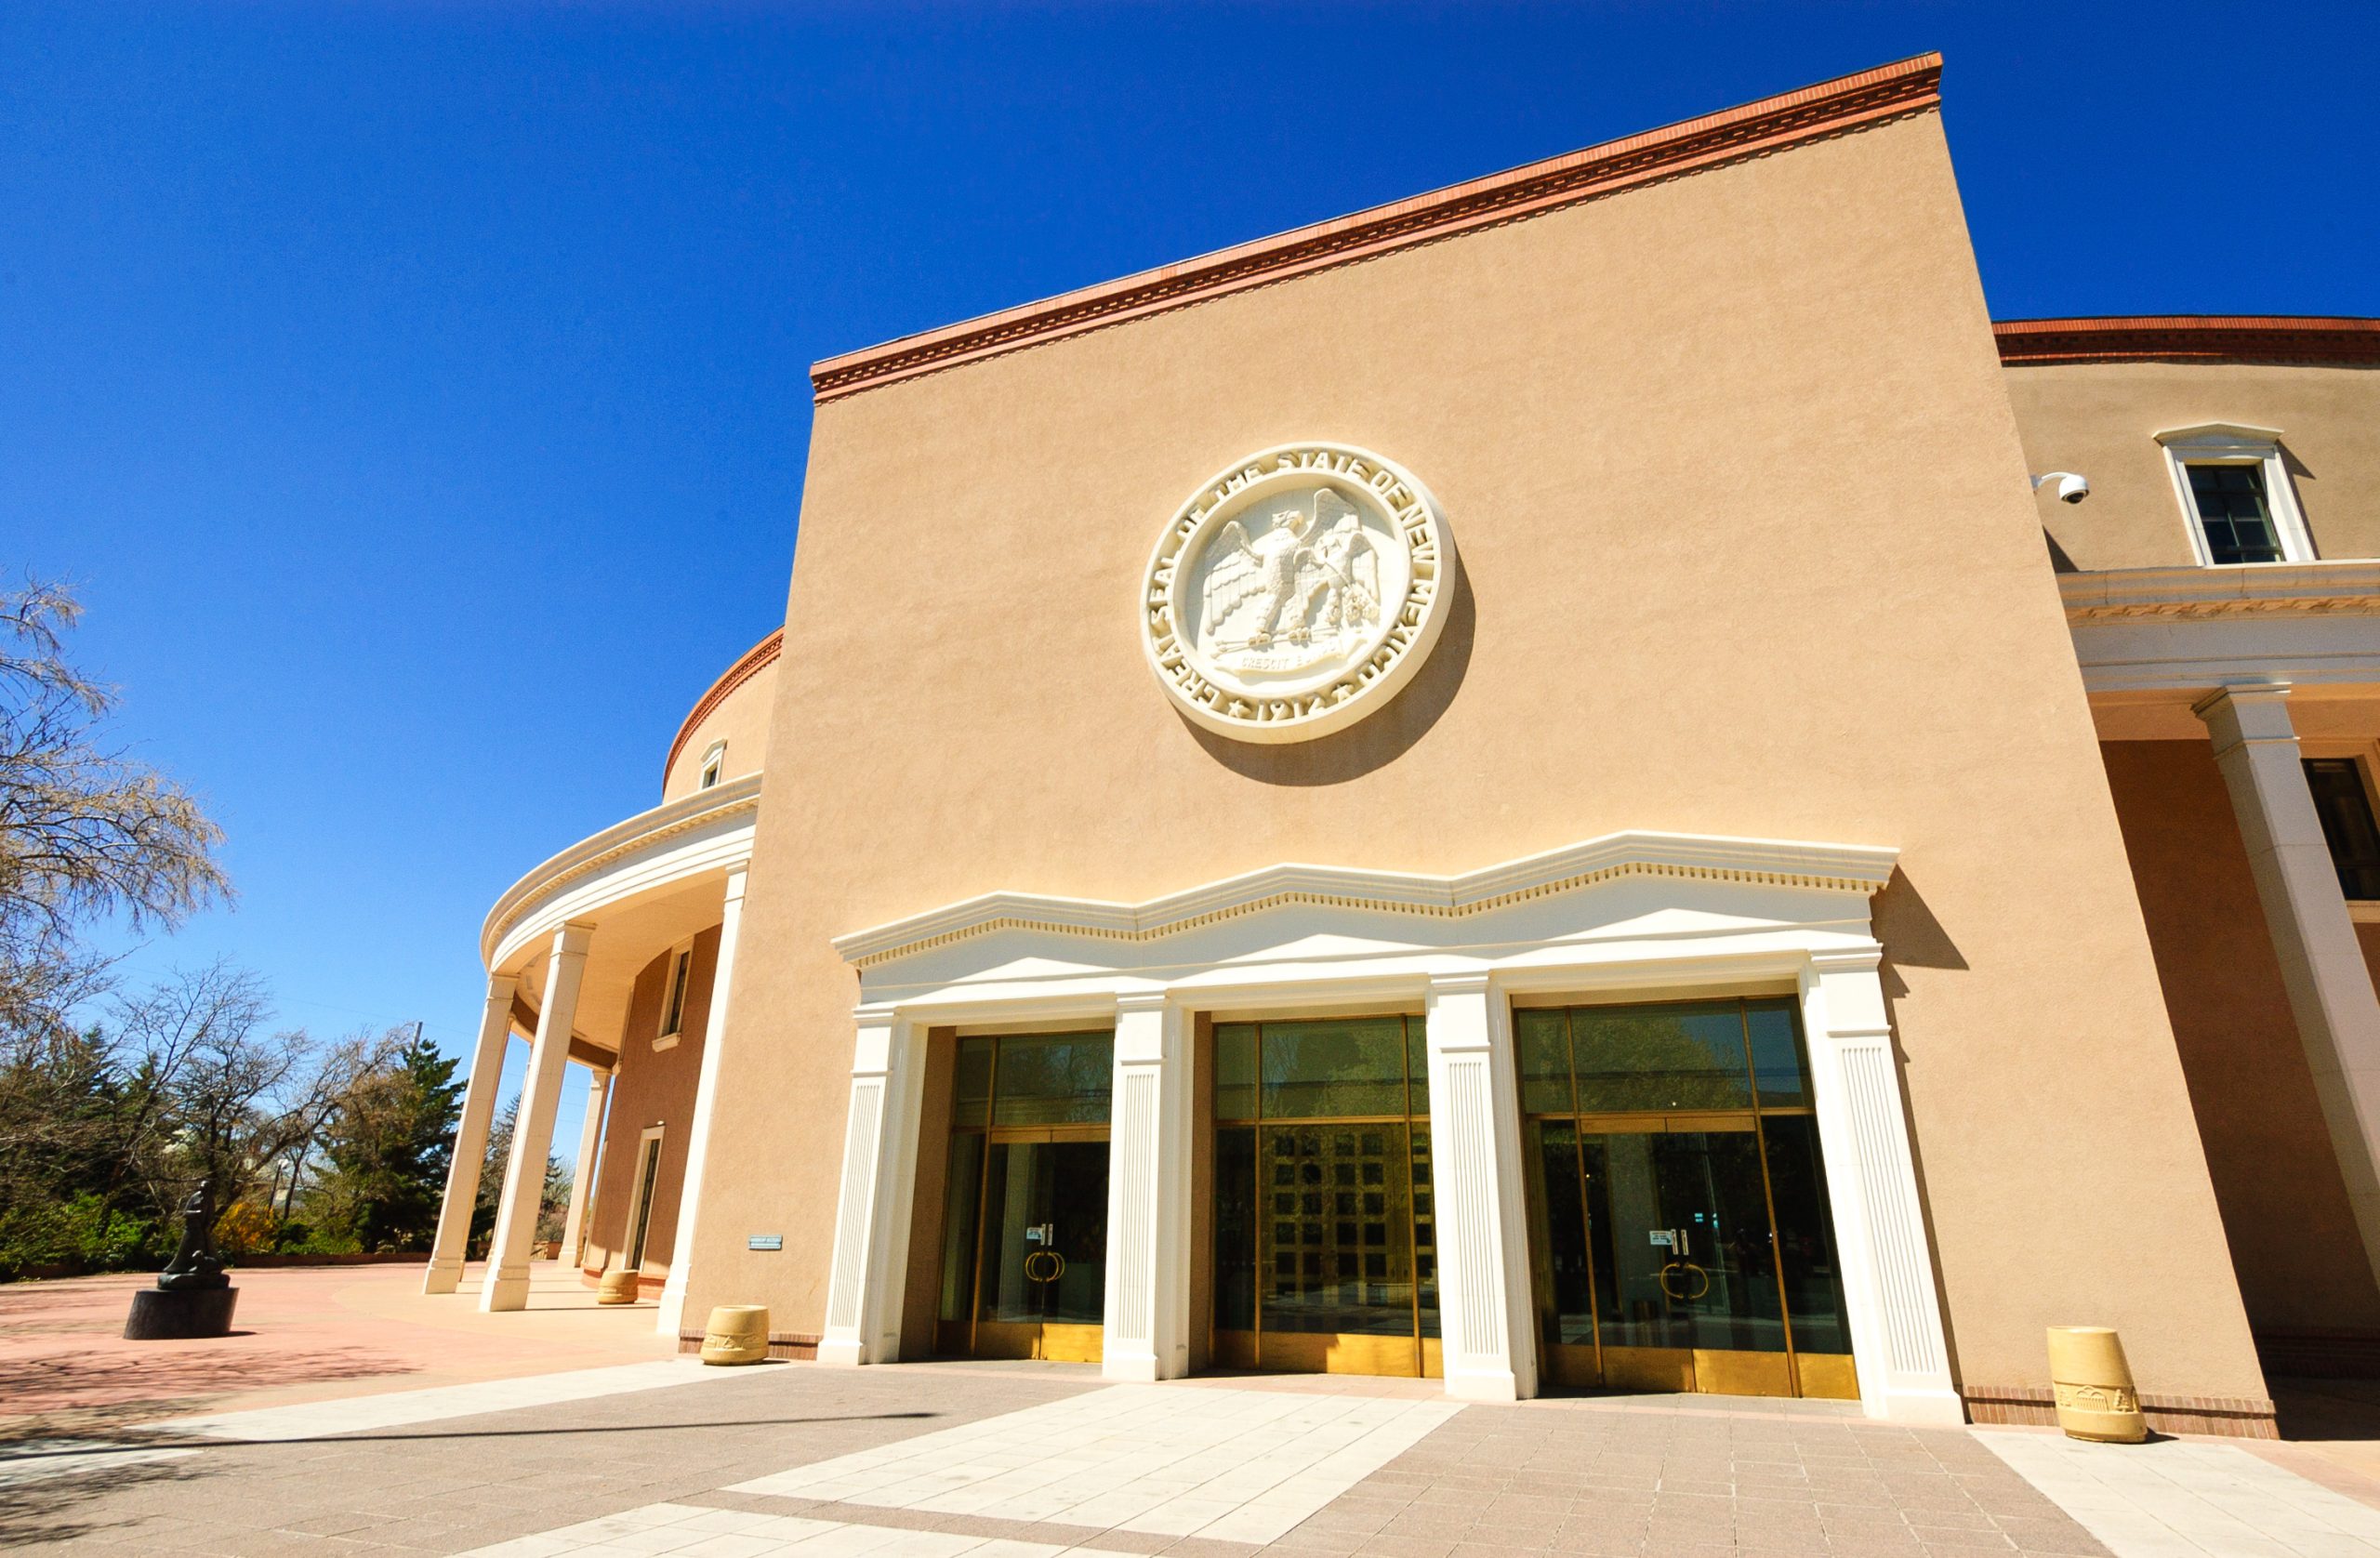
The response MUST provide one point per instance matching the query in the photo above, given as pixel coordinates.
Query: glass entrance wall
(1323, 1251)
(1025, 1225)
(1680, 1236)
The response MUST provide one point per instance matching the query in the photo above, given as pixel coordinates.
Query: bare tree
(226, 1097)
(85, 830)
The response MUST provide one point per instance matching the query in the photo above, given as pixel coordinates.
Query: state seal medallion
(1296, 592)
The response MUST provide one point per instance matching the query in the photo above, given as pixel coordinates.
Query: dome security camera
(2071, 488)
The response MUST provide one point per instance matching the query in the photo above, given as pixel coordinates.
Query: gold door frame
(1329, 1351)
(1745, 1371)
(1061, 1342)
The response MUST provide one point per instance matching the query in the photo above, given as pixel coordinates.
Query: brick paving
(1490, 1482)
(505, 1451)
(447, 1486)
(300, 1334)
(1500, 1480)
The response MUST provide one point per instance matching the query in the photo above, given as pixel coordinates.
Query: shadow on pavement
(58, 1509)
(166, 1438)
(124, 1383)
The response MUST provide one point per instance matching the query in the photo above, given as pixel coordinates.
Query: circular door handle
(1686, 1273)
(1044, 1266)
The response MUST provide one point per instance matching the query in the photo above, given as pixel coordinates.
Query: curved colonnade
(610, 955)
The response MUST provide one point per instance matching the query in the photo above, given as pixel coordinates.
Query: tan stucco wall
(2293, 1233)
(2101, 419)
(1747, 550)
(742, 721)
(652, 1087)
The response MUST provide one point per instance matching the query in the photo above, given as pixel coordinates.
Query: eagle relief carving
(1296, 592)
(1300, 591)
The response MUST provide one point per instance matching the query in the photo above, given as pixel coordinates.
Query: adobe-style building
(1534, 786)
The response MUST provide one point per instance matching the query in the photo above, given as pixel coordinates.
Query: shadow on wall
(1914, 939)
(1371, 743)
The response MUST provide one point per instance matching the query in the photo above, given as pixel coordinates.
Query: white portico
(1630, 916)
(563, 947)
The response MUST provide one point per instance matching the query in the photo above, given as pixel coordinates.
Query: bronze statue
(195, 1266)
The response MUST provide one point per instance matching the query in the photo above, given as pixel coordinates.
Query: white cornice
(2253, 589)
(2218, 433)
(1831, 867)
(631, 837)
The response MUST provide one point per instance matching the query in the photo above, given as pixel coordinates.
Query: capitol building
(1591, 779)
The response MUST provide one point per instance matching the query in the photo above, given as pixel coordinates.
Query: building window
(2231, 513)
(714, 763)
(2237, 496)
(648, 1170)
(2345, 807)
(673, 1004)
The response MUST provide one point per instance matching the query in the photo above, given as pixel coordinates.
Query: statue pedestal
(158, 1315)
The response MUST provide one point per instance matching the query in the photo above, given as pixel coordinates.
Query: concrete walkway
(2182, 1498)
(359, 1417)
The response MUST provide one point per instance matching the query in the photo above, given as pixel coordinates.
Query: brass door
(1324, 1234)
(1680, 1237)
(1657, 1260)
(1040, 1270)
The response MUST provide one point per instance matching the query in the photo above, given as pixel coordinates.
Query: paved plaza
(584, 1437)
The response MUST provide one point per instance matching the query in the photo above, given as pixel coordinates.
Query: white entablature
(607, 873)
(1619, 898)
(1624, 917)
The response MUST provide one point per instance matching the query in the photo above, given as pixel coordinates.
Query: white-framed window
(714, 764)
(673, 997)
(2236, 493)
(648, 1170)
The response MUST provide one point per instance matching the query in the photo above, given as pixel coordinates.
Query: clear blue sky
(418, 394)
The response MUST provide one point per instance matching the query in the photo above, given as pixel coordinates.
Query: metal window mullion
(1768, 1200)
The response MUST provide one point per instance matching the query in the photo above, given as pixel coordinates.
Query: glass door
(1325, 1253)
(1679, 1235)
(1025, 1225)
(1041, 1271)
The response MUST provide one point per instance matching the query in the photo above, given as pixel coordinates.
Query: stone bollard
(617, 1286)
(738, 1333)
(2093, 1382)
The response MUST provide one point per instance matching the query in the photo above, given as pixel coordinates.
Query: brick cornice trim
(1817, 112)
(756, 659)
(2347, 587)
(2236, 1416)
(796, 1345)
(2190, 338)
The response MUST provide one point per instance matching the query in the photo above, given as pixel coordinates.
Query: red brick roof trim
(1826, 110)
(2190, 338)
(756, 659)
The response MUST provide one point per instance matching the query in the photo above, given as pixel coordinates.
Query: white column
(2322, 964)
(533, 1127)
(1487, 1339)
(1897, 1344)
(1147, 1315)
(582, 1179)
(864, 1288)
(690, 1196)
(446, 1251)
